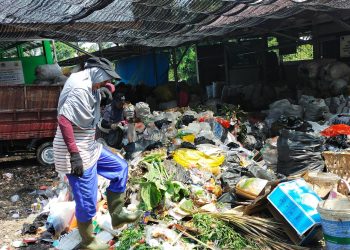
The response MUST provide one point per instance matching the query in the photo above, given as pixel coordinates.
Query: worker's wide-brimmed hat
(102, 63)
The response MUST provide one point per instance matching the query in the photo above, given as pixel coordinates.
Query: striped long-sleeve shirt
(80, 106)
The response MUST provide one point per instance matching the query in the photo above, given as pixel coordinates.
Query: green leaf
(176, 190)
(187, 206)
(150, 195)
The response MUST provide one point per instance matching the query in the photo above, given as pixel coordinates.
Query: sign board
(345, 46)
(11, 72)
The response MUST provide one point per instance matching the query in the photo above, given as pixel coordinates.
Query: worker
(112, 124)
(81, 158)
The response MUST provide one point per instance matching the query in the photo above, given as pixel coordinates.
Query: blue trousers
(84, 188)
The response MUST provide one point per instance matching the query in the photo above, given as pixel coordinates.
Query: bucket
(335, 220)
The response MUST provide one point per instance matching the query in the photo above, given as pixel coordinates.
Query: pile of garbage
(225, 180)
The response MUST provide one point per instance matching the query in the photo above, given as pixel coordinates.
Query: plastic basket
(338, 163)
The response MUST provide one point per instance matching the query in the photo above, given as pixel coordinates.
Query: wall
(211, 63)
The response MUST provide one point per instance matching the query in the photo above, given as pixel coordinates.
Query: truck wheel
(44, 154)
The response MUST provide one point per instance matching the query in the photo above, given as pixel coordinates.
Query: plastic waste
(193, 158)
(61, 214)
(270, 154)
(142, 111)
(261, 173)
(299, 152)
(14, 198)
(48, 71)
(314, 110)
(159, 123)
(203, 140)
(338, 129)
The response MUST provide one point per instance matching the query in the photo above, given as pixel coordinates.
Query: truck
(28, 120)
(28, 112)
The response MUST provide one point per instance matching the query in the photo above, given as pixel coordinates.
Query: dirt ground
(21, 177)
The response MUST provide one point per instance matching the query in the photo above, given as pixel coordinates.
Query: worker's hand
(129, 112)
(76, 164)
(106, 95)
(114, 126)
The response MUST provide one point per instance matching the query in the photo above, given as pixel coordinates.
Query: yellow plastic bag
(189, 158)
(189, 138)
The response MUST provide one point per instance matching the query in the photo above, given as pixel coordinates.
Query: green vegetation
(132, 238)
(304, 52)
(187, 68)
(64, 52)
(218, 232)
(156, 185)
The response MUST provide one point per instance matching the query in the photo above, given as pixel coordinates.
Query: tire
(44, 154)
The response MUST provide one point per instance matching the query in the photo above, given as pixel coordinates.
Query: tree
(304, 52)
(187, 68)
(64, 51)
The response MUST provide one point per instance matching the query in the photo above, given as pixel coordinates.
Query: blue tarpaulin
(151, 69)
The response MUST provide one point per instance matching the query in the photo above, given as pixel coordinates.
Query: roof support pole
(227, 66)
(176, 77)
(100, 48)
(54, 51)
(197, 66)
(155, 68)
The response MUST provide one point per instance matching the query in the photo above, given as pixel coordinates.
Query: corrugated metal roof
(156, 23)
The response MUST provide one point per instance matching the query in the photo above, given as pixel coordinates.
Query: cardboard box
(294, 203)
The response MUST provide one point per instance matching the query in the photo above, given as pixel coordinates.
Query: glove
(76, 164)
(114, 126)
(129, 112)
(106, 95)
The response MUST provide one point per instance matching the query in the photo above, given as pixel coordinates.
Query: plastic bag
(335, 70)
(48, 72)
(61, 214)
(299, 152)
(142, 111)
(295, 110)
(270, 155)
(193, 158)
(315, 109)
(277, 109)
(338, 129)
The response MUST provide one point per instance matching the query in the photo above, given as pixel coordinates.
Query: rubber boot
(88, 239)
(115, 203)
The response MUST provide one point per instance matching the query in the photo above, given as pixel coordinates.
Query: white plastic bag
(142, 111)
(60, 216)
(48, 72)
